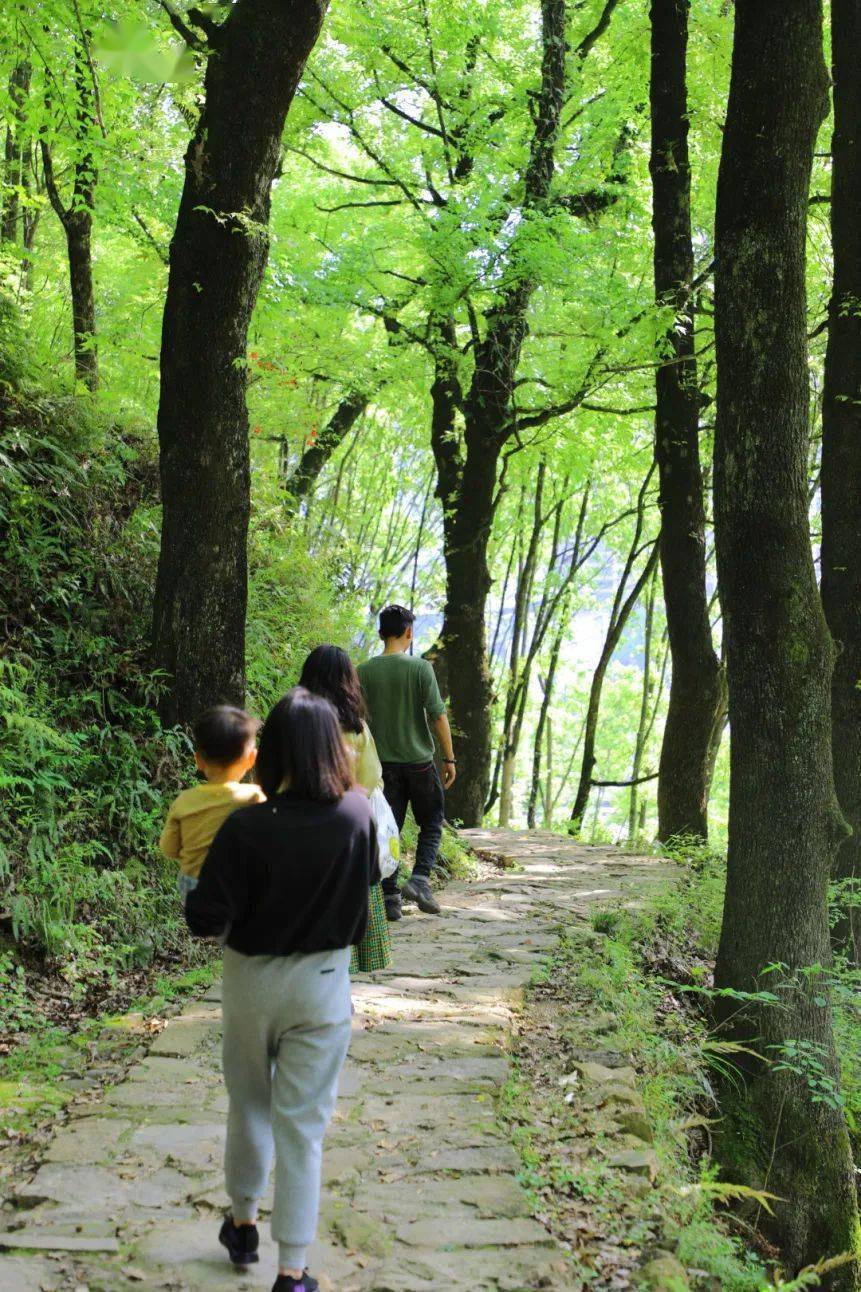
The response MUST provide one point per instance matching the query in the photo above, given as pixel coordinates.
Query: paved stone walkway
(420, 1185)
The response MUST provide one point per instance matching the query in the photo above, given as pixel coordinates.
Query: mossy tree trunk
(841, 452)
(683, 780)
(217, 258)
(784, 821)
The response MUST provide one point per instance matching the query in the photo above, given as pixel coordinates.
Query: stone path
(420, 1186)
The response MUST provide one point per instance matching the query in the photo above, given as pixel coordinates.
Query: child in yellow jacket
(225, 748)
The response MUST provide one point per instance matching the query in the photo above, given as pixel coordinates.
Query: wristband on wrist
(453, 761)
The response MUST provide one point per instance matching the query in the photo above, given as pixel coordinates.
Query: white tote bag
(388, 836)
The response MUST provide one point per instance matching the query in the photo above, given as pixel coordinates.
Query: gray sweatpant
(286, 1033)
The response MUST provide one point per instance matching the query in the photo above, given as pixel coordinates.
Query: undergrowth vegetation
(89, 907)
(677, 937)
(639, 981)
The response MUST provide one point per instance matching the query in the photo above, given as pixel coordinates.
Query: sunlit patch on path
(421, 1185)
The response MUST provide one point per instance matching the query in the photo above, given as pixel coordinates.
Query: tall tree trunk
(593, 708)
(784, 821)
(619, 614)
(446, 396)
(841, 452)
(516, 683)
(217, 258)
(548, 776)
(76, 218)
(464, 637)
(79, 227)
(643, 724)
(16, 154)
(683, 770)
(420, 534)
(540, 726)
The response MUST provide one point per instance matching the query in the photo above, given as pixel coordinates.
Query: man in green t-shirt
(403, 704)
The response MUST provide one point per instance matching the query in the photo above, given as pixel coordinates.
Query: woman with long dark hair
(328, 671)
(287, 881)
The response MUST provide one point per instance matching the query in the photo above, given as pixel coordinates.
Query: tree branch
(347, 206)
(191, 38)
(350, 123)
(153, 241)
(617, 412)
(638, 780)
(591, 38)
(206, 24)
(51, 183)
(343, 174)
(539, 417)
(414, 121)
(404, 67)
(301, 482)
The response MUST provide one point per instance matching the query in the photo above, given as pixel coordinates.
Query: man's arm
(443, 733)
(435, 710)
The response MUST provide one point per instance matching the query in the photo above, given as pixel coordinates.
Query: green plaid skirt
(375, 949)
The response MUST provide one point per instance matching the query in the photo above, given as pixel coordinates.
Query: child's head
(225, 742)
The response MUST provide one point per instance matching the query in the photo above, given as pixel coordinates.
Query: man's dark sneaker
(418, 890)
(394, 908)
(241, 1241)
(284, 1283)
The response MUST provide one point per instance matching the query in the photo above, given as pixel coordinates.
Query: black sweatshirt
(288, 875)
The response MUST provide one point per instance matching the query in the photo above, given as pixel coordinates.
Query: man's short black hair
(394, 621)
(221, 734)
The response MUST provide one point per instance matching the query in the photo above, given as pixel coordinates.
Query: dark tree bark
(76, 218)
(217, 258)
(300, 483)
(683, 782)
(784, 821)
(841, 451)
(463, 636)
(16, 152)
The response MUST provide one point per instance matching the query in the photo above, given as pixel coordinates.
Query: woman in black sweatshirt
(287, 881)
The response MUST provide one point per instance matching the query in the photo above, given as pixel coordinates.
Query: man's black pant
(416, 785)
